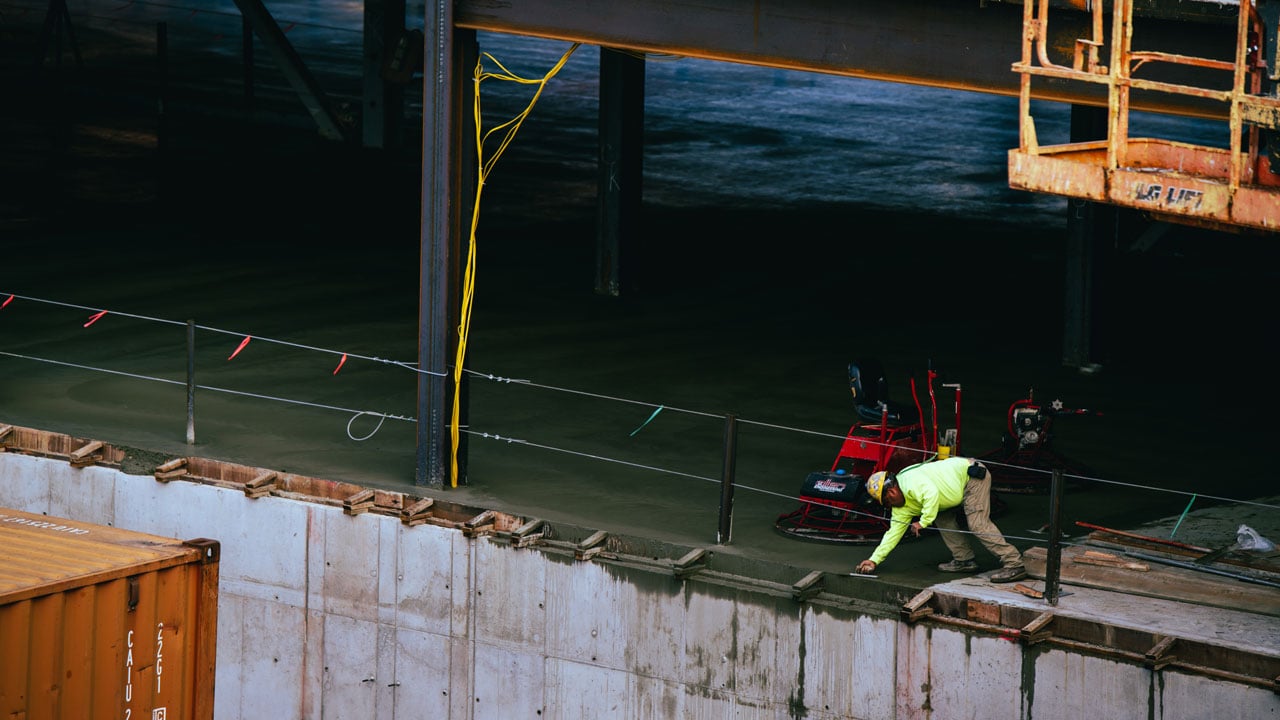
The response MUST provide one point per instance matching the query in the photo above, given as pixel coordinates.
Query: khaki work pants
(977, 513)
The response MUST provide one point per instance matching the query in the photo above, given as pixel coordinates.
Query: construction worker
(926, 491)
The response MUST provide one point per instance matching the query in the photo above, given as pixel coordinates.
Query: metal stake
(726, 479)
(191, 382)
(1053, 559)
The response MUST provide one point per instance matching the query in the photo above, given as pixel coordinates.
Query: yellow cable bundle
(485, 166)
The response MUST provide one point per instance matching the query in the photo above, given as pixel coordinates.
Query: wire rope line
(486, 165)
(1136, 486)
(7, 298)
(591, 456)
(400, 363)
(413, 367)
(242, 393)
(12, 296)
(738, 486)
(598, 396)
(772, 426)
(383, 417)
(102, 312)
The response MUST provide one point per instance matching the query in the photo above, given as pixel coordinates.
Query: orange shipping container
(98, 622)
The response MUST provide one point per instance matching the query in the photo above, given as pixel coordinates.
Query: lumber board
(1171, 583)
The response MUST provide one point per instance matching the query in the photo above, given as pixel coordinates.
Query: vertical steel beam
(191, 382)
(57, 21)
(728, 472)
(1053, 557)
(246, 56)
(435, 341)
(383, 100)
(162, 88)
(1090, 227)
(621, 133)
(447, 91)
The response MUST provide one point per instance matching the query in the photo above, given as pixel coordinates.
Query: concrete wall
(329, 615)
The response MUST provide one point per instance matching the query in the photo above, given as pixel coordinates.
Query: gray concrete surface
(365, 616)
(311, 248)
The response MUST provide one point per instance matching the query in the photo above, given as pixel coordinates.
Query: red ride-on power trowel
(834, 504)
(1025, 461)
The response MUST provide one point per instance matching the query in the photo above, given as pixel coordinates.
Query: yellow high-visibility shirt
(927, 488)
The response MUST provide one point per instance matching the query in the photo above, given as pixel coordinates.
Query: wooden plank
(261, 485)
(418, 512)
(918, 606)
(173, 464)
(807, 587)
(1091, 557)
(983, 612)
(692, 562)
(358, 503)
(480, 524)
(1171, 583)
(590, 547)
(1028, 591)
(87, 454)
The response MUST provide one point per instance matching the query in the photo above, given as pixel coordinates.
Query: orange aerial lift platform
(1232, 188)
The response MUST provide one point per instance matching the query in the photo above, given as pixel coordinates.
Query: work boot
(1008, 574)
(959, 566)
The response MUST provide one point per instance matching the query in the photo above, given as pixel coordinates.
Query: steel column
(1091, 230)
(621, 132)
(446, 195)
(383, 100)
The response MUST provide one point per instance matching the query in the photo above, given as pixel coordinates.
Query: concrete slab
(1246, 631)
(258, 235)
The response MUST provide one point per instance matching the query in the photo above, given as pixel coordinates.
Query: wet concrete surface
(311, 248)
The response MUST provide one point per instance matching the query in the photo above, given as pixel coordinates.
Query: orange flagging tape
(96, 316)
(341, 362)
(5, 304)
(243, 342)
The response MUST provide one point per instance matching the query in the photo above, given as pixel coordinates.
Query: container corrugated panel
(99, 622)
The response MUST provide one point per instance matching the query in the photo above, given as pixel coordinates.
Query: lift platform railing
(1229, 188)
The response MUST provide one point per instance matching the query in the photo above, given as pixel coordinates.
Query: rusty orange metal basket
(1229, 188)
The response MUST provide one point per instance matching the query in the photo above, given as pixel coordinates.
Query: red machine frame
(834, 505)
(1026, 458)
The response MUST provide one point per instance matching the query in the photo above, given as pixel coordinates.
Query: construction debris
(1105, 559)
(175, 468)
(87, 454)
(261, 485)
(693, 562)
(482, 524)
(417, 513)
(1027, 590)
(808, 586)
(358, 503)
(590, 547)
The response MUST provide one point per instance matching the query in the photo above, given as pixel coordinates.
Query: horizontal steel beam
(957, 44)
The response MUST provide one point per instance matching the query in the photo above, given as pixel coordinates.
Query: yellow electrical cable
(485, 167)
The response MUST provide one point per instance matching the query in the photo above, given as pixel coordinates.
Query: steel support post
(447, 196)
(383, 100)
(1053, 556)
(1091, 229)
(621, 132)
(725, 531)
